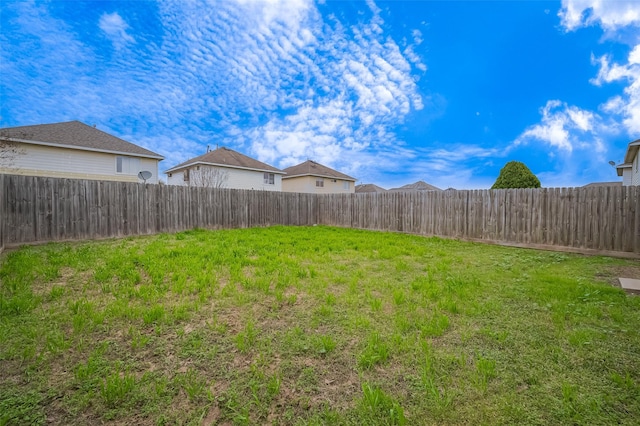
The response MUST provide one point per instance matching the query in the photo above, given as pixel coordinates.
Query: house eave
(195, 163)
(620, 168)
(319, 175)
(82, 148)
(632, 151)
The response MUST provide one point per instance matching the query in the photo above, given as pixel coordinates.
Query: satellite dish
(612, 163)
(144, 175)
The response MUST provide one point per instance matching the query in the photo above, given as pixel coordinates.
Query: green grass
(314, 325)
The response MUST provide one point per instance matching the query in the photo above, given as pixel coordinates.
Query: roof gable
(369, 187)
(417, 186)
(226, 157)
(311, 168)
(75, 135)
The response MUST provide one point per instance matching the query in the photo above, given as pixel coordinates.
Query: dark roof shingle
(227, 157)
(75, 134)
(311, 168)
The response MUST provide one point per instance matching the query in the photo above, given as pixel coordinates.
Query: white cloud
(417, 36)
(609, 14)
(564, 128)
(577, 140)
(274, 79)
(627, 105)
(115, 29)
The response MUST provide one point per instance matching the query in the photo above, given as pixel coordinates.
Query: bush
(515, 174)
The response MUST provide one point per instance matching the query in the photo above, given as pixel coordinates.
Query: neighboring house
(415, 187)
(312, 177)
(74, 150)
(369, 188)
(630, 169)
(226, 168)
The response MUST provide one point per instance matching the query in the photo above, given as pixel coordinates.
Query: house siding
(635, 171)
(40, 160)
(308, 184)
(237, 178)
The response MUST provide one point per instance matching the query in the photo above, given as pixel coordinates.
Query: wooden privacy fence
(595, 218)
(35, 209)
(51, 209)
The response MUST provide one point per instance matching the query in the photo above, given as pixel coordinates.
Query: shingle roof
(227, 158)
(311, 168)
(598, 184)
(368, 187)
(418, 186)
(74, 134)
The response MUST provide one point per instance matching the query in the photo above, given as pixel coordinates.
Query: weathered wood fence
(35, 209)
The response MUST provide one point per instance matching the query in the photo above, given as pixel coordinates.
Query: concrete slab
(630, 285)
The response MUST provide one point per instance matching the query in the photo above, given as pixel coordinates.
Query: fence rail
(35, 209)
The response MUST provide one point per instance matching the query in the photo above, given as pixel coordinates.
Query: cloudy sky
(388, 92)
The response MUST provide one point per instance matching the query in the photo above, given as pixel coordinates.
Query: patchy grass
(314, 325)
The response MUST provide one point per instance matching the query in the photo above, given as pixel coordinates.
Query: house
(369, 188)
(630, 169)
(415, 187)
(315, 178)
(226, 168)
(75, 150)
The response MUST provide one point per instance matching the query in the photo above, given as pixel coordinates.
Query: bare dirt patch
(610, 275)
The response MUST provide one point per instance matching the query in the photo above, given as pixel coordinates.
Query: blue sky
(387, 92)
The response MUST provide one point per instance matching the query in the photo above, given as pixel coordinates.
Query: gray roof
(226, 157)
(75, 135)
(311, 168)
(597, 184)
(418, 186)
(369, 187)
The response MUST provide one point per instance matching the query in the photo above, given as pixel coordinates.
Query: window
(127, 165)
(185, 175)
(345, 185)
(269, 178)
(319, 182)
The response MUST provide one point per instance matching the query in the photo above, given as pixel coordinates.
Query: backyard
(314, 325)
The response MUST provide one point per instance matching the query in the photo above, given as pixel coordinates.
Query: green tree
(515, 174)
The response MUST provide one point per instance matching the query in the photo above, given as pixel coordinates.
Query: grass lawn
(314, 325)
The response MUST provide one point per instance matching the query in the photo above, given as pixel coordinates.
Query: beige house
(630, 169)
(312, 177)
(226, 168)
(74, 150)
